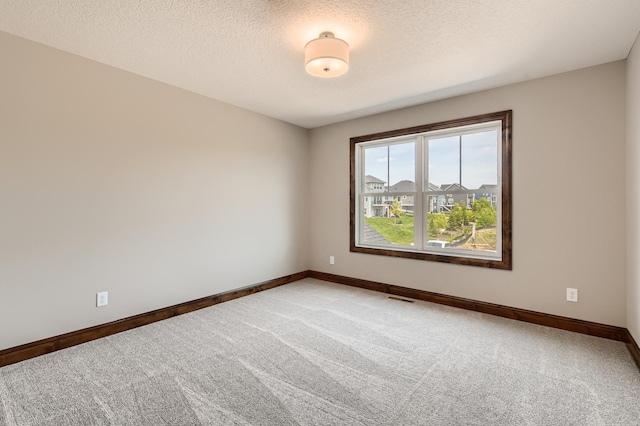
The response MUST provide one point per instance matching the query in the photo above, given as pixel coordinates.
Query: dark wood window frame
(506, 187)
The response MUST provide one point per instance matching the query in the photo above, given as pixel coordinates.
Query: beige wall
(633, 191)
(569, 192)
(110, 181)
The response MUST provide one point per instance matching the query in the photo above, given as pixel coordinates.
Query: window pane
(444, 163)
(402, 167)
(390, 168)
(375, 168)
(447, 221)
(460, 227)
(386, 223)
(480, 159)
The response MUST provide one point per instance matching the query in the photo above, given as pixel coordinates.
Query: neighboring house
(406, 201)
(488, 192)
(445, 202)
(381, 205)
(373, 184)
(435, 202)
(374, 206)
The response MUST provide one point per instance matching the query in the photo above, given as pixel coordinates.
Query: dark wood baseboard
(579, 326)
(41, 347)
(632, 345)
(52, 344)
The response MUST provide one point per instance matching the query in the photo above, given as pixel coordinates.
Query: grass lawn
(400, 231)
(395, 230)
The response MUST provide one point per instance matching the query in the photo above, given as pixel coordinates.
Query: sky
(479, 154)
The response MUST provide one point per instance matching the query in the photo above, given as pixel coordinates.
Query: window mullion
(460, 160)
(418, 209)
(360, 197)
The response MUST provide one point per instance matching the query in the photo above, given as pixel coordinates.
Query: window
(454, 183)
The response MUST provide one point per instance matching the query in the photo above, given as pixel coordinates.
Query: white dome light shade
(326, 56)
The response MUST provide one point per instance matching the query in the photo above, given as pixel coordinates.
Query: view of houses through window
(436, 192)
(455, 217)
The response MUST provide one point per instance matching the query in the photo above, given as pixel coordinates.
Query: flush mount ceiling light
(326, 56)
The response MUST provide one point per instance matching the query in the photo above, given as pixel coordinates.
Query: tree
(436, 222)
(484, 213)
(458, 216)
(396, 210)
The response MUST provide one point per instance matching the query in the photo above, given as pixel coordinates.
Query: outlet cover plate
(102, 299)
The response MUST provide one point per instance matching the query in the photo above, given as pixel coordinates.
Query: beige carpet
(315, 353)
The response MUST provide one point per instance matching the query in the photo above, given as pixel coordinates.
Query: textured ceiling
(250, 53)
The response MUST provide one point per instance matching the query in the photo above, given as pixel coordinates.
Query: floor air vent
(401, 299)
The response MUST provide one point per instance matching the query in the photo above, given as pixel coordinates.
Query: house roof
(403, 186)
(372, 179)
(488, 187)
(251, 53)
(453, 186)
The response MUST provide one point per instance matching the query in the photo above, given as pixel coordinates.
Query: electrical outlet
(332, 260)
(572, 294)
(102, 299)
